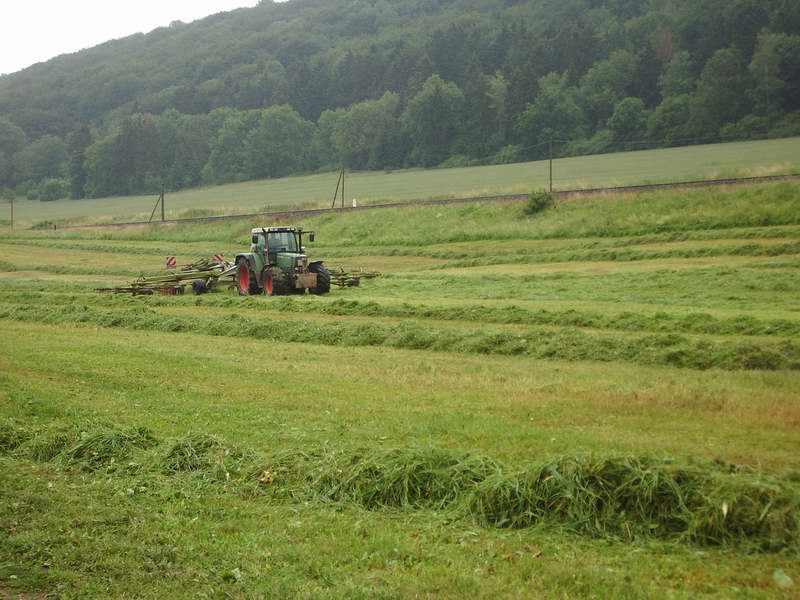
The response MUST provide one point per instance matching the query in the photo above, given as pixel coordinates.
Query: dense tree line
(294, 87)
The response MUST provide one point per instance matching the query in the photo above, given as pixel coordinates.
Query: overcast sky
(33, 31)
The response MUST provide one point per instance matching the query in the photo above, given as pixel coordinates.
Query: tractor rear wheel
(323, 279)
(243, 276)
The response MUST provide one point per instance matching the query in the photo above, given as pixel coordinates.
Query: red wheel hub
(244, 279)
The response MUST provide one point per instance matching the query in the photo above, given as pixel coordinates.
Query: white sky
(33, 31)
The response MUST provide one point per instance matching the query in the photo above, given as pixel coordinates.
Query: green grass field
(599, 401)
(651, 166)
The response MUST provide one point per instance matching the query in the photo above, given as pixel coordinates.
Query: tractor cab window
(283, 241)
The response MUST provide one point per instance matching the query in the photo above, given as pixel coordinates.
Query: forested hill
(370, 84)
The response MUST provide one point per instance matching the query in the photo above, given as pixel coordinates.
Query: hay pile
(627, 497)
(406, 477)
(637, 497)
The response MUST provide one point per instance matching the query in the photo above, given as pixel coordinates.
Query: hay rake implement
(206, 274)
(202, 275)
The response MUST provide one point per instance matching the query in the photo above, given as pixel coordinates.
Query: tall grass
(613, 216)
(646, 213)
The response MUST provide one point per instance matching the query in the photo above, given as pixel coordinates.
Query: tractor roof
(276, 229)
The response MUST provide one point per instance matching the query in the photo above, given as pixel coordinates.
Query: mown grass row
(629, 497)
(711, 287)
(138, 250)
(749, 233)
(695, 323)
(334, 251)
(540, 343)
(706, 289)
(566, 245)
(57, 269)
(616, 250)
(601, 255)
(661, 322)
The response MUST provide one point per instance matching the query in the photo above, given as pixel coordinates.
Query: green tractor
(277, 264)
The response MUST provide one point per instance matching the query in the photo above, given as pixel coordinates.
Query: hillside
(740, 159)
(294, 87)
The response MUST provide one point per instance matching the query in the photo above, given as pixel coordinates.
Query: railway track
(562, 194)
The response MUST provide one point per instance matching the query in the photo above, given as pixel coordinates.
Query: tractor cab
(276, 240)
(280, 246)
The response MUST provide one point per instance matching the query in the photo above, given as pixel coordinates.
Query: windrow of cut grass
(696, 322)
(660, 322)
(628, 497)
(568, 246)
(623, 255)
(90, 445)
(716, 285)
(444, 251)
(711, 287)
(542, 343)
(118, 248)
(60, 269)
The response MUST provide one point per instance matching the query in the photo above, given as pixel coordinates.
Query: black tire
(267, 282)
(244, 277)
(274, 283)
(199, 286)
(323, 279)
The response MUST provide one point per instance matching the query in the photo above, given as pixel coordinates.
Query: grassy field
(599, 401)
(650, 166)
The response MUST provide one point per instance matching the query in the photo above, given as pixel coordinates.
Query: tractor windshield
(282, 241)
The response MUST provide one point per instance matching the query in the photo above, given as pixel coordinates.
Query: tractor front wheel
(274, 284)
(323, 279)
(243, 276)
(269, 282)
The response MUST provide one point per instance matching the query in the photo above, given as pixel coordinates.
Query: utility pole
(336, 193)
(12, 213)
(551, 164)
(162, 204)
(342, 188)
